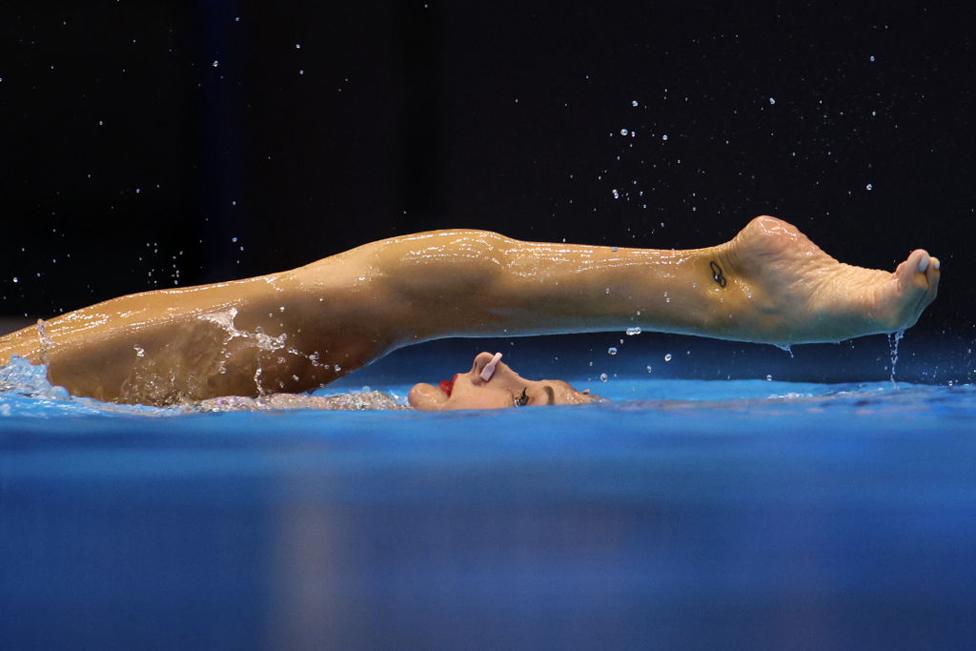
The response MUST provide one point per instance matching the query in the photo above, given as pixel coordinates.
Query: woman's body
(299, 329)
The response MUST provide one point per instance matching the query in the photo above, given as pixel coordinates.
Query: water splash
(893, 342)
(257, 379)
(21, 377)
(225, 319)
(364, 400)
(25, 391)
(264, 342)
(786, 349)
(45, 339)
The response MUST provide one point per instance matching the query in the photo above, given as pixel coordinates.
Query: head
(492, 384)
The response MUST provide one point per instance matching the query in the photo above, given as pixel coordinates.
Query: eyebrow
(550, 394)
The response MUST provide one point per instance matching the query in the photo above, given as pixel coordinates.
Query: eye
(520, 400)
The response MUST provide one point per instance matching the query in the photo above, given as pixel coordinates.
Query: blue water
(689, 513)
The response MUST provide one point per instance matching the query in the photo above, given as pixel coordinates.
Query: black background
(130, 161)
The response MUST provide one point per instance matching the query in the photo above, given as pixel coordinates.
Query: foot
(790, 291)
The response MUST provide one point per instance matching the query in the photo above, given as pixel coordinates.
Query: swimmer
(489, 384)
(297, 330)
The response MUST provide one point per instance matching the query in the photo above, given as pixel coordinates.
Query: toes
(922, 273)
(913, 272)
(933, 274)
(923, 262)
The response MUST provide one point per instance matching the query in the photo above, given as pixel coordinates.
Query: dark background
(146, 144)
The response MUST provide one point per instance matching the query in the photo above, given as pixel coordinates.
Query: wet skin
(505, 388)
(297, 330)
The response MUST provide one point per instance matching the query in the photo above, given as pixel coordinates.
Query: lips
(447, 386)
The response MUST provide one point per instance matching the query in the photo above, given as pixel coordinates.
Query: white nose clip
(489, 368)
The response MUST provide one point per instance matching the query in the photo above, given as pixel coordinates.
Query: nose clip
(489, 368)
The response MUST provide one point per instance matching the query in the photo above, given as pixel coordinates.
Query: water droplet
(607, 291)
(871, 58)
(772, 100)
(298, 46)
(16, 280)
(616, 195)
(893, 342)
(233, 239)
(633, 103)
(633, 331)
(624, 132)
(611, 351)
(664, 137)
(140, 352)
(337, 368)
(667, 357)
(869, 187)
(281, 309)
(649, 368)
(215, 63)
(769, 378)
(603, 377)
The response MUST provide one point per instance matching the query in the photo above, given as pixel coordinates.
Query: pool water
(691, 513)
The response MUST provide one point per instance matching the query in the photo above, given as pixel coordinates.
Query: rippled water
(25, 392)
(686, 513)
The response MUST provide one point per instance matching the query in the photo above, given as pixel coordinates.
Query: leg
(299, 329)
(769, 284)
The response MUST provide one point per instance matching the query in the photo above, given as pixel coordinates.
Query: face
(505, 388)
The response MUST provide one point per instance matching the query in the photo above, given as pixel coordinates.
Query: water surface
(744, 513)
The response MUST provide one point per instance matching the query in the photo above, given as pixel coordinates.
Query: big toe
(914, 272)
(919, 279)
(933, 274)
